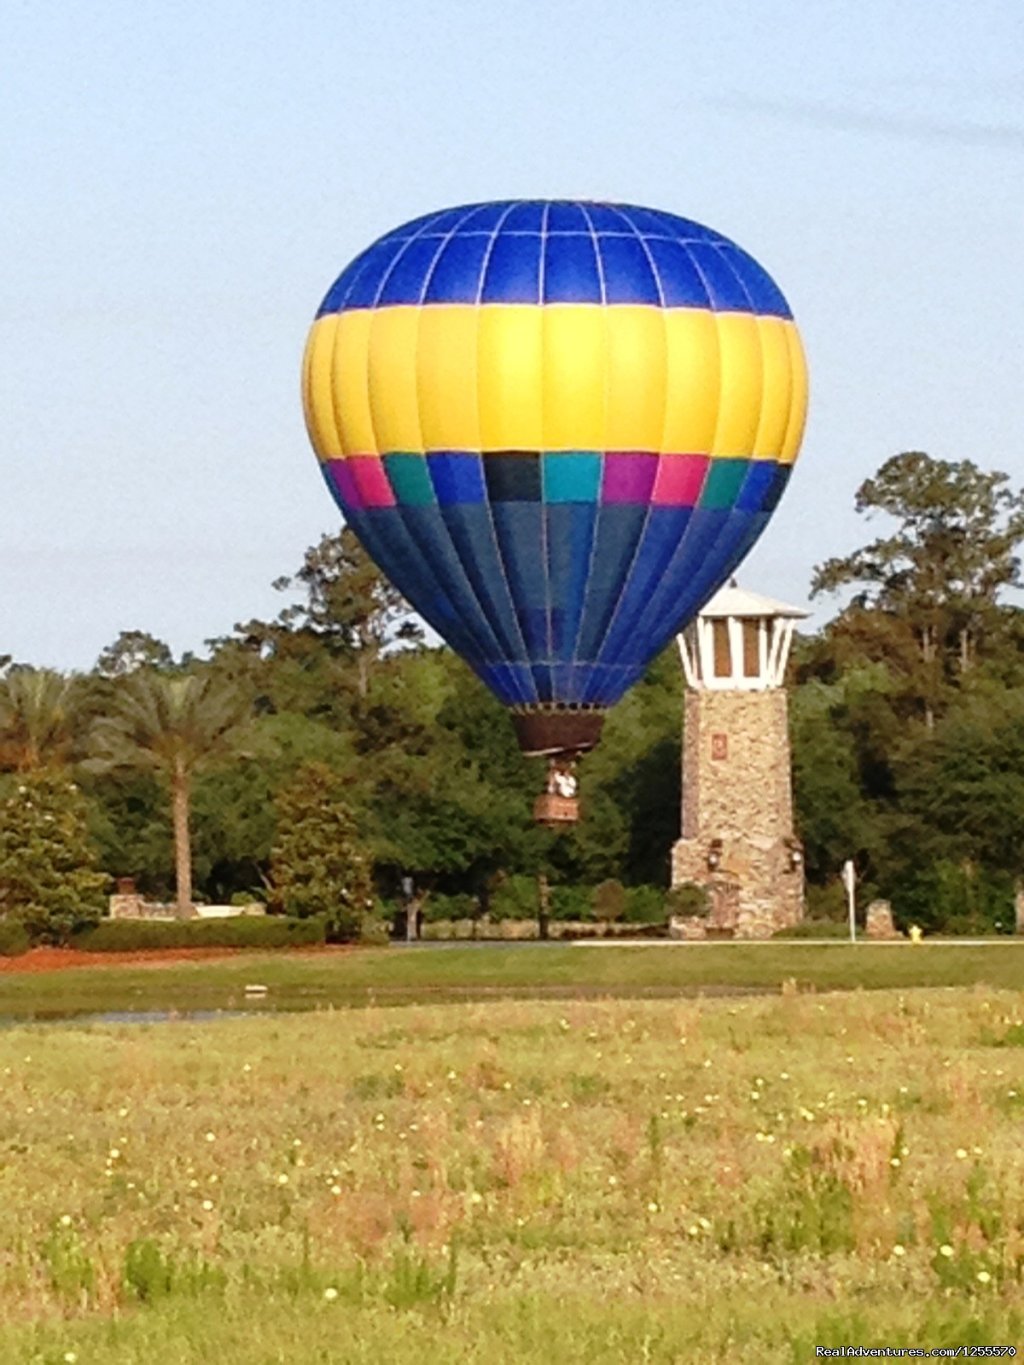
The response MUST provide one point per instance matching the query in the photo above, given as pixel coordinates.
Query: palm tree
(172, 725)
(36, 721)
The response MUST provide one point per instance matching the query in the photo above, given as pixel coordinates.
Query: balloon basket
(556, 811)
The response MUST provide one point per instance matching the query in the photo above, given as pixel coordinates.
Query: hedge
(240, 931)
(13, 939)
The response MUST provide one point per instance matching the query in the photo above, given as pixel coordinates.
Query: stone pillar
(738, 810)
(878, 922)
(1018, 909)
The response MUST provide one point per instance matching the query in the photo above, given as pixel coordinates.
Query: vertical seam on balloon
(424, 289)
(373, 427)
(549, 663)
(757, 331)
(601, 455)
(661, 445)
(687, 534)
(369, 336)
(485, 263)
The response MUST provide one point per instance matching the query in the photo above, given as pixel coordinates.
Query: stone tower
(737, 822)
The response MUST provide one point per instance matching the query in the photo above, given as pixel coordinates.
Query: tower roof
(734, 601)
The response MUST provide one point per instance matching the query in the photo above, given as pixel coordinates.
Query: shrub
(242, 931)
(688, 898)
(48, 878)
(571, 902)
(645, 905)
(319, 865)
(374, 931)
(13, 939)
(438, 906)
(609, 900)
(827, 902)
(514, 898)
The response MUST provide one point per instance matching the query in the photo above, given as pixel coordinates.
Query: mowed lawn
(691, 1180)
(395, 975)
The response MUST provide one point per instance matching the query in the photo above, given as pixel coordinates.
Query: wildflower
(945, 1250)
(476, 1197)
(984, 1277)
(296, 1142)
(895, 1162)
(65, 1220)
(208, 1205)
(693, 1230)
(115, 1152)
(961, 1154)
(613, 1180)
(652, 1207)
(330, 1293)
(415, 1194)
(122, 1113)
(335, 1189)
(899, 1250)
(282, 1179)
(70, 1357)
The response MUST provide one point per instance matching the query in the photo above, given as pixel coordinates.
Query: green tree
(350, 608)
(174, 727)
(48, 877)
(940, 573)
(37, 721)
(132, 650)
(319, 864)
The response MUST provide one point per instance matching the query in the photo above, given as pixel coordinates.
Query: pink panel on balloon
(679, 480)
(371, 482)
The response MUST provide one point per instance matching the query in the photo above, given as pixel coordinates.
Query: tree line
(335, 757)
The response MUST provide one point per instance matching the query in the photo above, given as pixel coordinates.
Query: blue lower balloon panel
(560, 603)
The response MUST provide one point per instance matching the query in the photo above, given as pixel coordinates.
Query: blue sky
(182, 181)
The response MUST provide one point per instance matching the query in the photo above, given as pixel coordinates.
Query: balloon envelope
(557, 426)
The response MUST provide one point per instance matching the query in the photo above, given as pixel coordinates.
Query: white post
(850, 882)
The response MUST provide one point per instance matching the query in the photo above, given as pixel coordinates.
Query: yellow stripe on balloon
(798, 407)
(317, 398)
(510, 378)
(739, 407)
(558, 377)
(339, 391)
(394, 398)
(776, 388)
(637, 375)
(693, 380)
(576, 378)
(447, 365)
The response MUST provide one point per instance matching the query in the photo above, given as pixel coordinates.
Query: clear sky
(182, 179)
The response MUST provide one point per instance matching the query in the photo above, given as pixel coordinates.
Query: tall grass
(716, 1180)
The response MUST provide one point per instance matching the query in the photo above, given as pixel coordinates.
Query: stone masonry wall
(737, 788)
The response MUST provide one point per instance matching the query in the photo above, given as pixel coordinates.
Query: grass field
(394, 975)
(688, 1180)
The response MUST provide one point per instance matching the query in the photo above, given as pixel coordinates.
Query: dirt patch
(57, 959)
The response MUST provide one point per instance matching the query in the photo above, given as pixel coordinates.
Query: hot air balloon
(557, 426)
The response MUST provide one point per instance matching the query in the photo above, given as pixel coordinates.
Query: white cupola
(739, 642)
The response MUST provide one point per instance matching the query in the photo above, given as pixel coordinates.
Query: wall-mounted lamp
(714, 856)
(795, 855)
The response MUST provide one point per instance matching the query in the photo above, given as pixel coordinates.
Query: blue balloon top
(556, 251)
